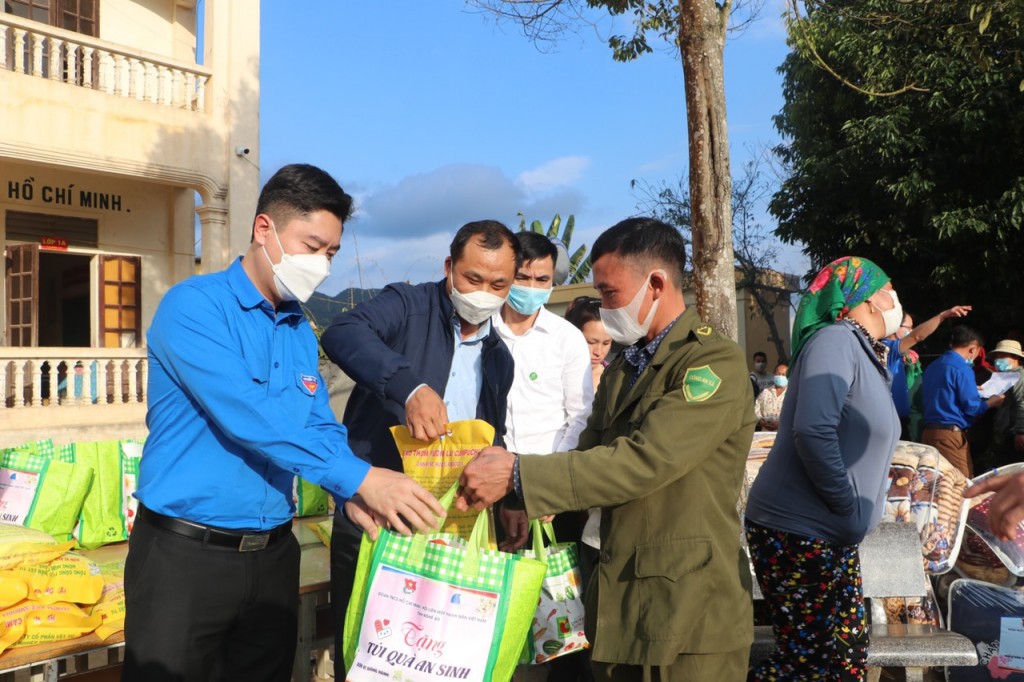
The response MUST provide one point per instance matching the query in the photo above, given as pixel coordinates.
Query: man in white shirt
(551, 394)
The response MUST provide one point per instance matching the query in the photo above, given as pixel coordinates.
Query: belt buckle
(253, 543)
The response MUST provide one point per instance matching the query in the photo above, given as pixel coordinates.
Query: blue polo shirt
(237, 408)
(900, 394)
(949, 393)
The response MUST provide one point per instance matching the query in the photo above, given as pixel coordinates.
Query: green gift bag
(38, 491)
(102, 520)
(434, 606)
(557, 627)
(310, 499)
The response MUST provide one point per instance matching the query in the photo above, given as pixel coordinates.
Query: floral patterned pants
(814, 591)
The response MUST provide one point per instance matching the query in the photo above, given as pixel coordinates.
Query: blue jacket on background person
(416, 324)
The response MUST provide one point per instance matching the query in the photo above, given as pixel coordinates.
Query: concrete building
(121, 121)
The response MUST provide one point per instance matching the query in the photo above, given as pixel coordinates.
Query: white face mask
(296, 277)
(893, 317)
(622, 323)
(476, 306)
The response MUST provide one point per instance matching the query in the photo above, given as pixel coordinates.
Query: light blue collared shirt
(237, 408)
(462, 392)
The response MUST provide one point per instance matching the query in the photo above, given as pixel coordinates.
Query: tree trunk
(702, 29)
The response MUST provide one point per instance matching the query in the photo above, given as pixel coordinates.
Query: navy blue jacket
(401, 338)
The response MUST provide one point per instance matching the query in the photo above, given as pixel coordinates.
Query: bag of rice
(68, 578)
(110, 607)
(46, 623)
(21, 546)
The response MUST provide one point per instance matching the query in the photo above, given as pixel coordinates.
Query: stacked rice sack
(48, 593)
(927, 490)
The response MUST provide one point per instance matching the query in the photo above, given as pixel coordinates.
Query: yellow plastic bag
(323, 530)
(70, 578)
(111, 607)
(20, 546)
(44, 623)
(12, 590)
(436, 465)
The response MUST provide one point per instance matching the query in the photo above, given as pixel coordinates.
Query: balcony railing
(43, 51)
(55, 376)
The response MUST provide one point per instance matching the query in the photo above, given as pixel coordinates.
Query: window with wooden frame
(120, 301)
(22, 295)
(80, 16)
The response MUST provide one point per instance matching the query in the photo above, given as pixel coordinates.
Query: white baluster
(101, 382)
(3, 47)
(138, 82)
(56, 63)
(87, 66)
(119, 75)
(36, 382)
(72, 63)
(177, 88)
(133, 380)
(5, 376)
(201, 95)
(54, 382)
(37, 55)
(152, 87)
(19, 383)
(190, 90)
(19, 50)
(164, 86)
(145, 378)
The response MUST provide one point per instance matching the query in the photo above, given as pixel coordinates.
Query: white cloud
(554, 174)
(444, 199)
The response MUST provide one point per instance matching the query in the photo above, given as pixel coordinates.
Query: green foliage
(929, 183)
(579, 260)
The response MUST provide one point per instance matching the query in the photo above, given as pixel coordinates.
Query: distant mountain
(323, 308)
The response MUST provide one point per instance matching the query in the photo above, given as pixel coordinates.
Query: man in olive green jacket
(663, 455)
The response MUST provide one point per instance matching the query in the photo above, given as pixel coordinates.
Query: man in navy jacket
(422, 356)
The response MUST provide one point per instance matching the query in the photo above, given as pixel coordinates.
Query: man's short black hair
(649, 242)
(963, 336)
(299, 189)
(536, 246)
(760, 354)
(490, 234)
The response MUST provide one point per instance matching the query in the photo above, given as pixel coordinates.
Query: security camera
(242, 151)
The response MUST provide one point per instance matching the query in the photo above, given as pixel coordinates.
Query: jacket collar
(249, 296)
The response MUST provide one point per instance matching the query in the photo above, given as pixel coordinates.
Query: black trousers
(197, 612)
(345, 539)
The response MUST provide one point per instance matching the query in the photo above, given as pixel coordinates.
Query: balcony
(72, 394)
(46, 52)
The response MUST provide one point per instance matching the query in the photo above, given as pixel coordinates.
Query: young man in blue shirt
(237, 409)
(951, 400)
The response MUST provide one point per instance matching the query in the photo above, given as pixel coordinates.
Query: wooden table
(314, 588)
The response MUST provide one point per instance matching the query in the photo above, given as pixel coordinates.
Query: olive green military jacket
(664, 459)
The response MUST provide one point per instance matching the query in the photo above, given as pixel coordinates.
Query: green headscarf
(841, 285)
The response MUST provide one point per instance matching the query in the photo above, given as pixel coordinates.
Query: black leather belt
(242, 540)
(943, 427)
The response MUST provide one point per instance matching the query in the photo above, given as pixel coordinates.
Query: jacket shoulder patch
(700, 383)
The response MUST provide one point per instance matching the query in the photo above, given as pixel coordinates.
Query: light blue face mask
(527, 300)
(1003, 365)
(780, 381)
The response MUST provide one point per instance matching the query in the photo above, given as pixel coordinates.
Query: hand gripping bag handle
(479, 539)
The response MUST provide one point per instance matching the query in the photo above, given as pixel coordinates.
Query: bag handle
(539, 530)
(479, 538)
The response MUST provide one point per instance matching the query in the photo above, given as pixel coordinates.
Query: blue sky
(431, 115)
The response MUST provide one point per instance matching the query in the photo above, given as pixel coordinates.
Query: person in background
(951, 401)
(585, 314)
(663, 456)
(768, 404)
(422, 355)
(1008, 424)
(548, 404)
(822, 487)
(906, 366)
(761, 377)
(237, 408)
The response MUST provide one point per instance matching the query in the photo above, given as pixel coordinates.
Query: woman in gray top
(822, 487)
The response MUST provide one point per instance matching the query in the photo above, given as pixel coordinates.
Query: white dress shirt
(553, 387)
